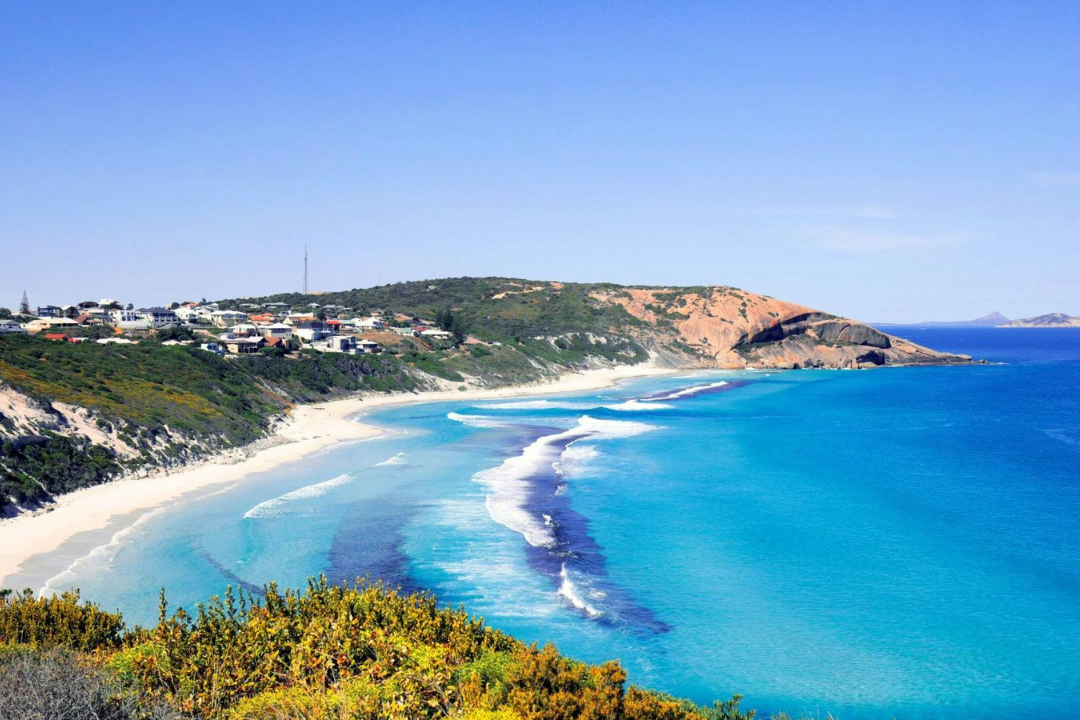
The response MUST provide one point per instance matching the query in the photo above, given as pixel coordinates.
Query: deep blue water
(891, 543)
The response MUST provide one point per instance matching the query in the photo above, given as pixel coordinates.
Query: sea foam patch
(399, 459)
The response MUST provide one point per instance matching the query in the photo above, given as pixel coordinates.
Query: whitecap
(399, 459)
(574, 594)
(481, 421)
(277, 506)
(687, 392)
(638, 406)
(538, 405)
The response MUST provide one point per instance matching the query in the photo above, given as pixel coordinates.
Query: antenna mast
(305, 270)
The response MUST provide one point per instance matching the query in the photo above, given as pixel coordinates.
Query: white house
(312, 331)
(436, 334)
(129, 320)
(281, 331)
(298, 318)
(371, 323)
(368, 347)
(212, 347)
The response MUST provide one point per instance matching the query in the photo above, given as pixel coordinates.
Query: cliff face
(730, 328)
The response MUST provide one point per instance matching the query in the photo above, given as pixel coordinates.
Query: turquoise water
(894, 543)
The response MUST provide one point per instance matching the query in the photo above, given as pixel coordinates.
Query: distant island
(1050, 320)
(994, 319)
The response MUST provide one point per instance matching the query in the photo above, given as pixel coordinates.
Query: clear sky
(887, 161)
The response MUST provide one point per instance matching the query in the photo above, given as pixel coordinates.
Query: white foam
(573, 593)
(692, 390)
(638, 406)
(538, 405)
(277, 506)
(100, 554)
(508, 491)
(575, 457)
(481, 421)
(399, 459)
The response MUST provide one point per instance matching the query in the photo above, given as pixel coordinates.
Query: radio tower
(305, 269)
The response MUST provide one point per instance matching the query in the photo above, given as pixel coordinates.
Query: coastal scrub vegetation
(330, 651)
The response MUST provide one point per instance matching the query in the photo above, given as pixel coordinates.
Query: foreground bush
(328, 652)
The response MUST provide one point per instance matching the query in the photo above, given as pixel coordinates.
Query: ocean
(896, 543)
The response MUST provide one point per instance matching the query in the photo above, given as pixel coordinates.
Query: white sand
(117, 504)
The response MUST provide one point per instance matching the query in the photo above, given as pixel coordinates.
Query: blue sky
(887, 161)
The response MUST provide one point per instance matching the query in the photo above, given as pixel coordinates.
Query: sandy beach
(98, 512)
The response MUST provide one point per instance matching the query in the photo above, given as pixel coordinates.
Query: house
(277, 331)
(212, 347)
(334, 325)
(57, 337)
(70, 311)
(186, 313)
(49, 311)
(130, 320)
(312, 331)
(368, 347)
(49, 323)
(159, 317)
(116, 341)
(371, 323)
(436, 334)
(403, 331)
(341, 344)
(244, 330)
(262, 318)
(297, 318)
(227, 318)
(8, 325)
(244, 345)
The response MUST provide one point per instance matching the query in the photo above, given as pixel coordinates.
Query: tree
(4, 313)
(24, 306)
(130, 307)
(460, 330)
(444, 318)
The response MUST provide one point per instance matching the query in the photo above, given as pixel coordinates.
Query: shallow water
(896, 543)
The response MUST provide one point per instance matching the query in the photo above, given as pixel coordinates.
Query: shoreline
(103, 510)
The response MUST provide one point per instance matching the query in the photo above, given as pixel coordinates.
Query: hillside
(1051, 320)
(714, 326)
(73, 415)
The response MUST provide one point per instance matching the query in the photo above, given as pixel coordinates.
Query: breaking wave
(277, 506)
(481, 421)
(575, 595)
(508, 485)
(686, 392)
(399, 459)
(538, 405)
(638, 406)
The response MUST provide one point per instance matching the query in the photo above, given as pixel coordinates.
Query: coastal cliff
(729, 328)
